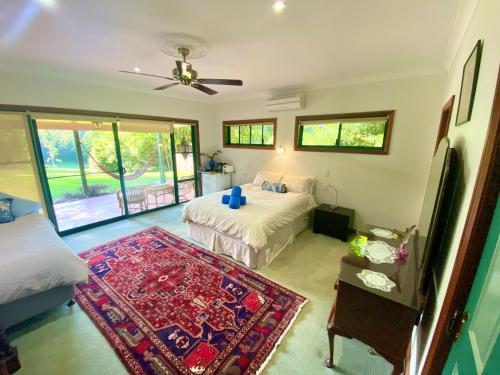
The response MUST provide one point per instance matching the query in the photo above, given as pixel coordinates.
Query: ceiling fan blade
(215, 81)
(168, 85)
(144, 74)
(205, 89)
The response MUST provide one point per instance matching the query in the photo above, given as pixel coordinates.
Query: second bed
(254, 234)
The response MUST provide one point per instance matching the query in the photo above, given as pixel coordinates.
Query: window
(260, 133)
(367, 132)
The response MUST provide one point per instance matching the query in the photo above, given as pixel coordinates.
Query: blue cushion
(6, 215)
(266, 185)
(236, 191)
(234, 202)
(279, 187)
(243, 201)
(225, 199)
(22, 207)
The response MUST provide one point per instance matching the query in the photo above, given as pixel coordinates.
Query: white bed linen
(33, 259)
(252, 258)
(253, 224)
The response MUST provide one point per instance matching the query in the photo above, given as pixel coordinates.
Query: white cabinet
(212, 182)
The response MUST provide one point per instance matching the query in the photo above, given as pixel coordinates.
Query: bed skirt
(221, 243)
(27, 307)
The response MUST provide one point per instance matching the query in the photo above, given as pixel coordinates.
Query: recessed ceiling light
(47, 3)
(279, 6)
(137, 70)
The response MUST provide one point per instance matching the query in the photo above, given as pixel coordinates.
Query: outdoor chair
(136, 195)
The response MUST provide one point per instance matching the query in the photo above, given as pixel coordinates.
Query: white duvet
(34, 259)
(264, 213)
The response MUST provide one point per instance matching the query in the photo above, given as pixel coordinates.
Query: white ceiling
(312, 44)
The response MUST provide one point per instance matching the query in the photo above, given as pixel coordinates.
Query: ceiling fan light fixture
(184, 74)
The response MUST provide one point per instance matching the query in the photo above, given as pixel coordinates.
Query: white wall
(50, 92)
(469, 138)
(383, 189)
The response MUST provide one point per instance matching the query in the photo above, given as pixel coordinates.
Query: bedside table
(212, 182)
(337, 222)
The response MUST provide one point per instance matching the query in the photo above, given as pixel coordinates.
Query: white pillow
(267, 176)
(298, 184)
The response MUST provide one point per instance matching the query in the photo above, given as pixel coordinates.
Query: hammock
(116, 176)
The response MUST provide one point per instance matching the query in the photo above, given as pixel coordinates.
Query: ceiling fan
(185, 75)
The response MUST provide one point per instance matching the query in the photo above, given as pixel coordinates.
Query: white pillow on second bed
(299, 184)
(267, 176)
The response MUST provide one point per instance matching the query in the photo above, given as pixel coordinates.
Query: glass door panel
(80, 163)
(185, 161)
(146, 155)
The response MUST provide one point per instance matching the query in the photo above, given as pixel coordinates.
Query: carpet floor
(65, 341)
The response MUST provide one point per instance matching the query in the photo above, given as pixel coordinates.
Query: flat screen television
(436, 210)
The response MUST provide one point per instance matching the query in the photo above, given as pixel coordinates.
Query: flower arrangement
(211, 158)
(401, 254)
(357, 246)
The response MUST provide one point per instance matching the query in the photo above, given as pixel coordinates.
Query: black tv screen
(436, 208)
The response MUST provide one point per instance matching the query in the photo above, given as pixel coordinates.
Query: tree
(136, 149)
(52, 142)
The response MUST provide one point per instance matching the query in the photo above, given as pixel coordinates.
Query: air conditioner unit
(285, 104)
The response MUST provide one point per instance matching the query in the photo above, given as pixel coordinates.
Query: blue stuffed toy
(235, 200)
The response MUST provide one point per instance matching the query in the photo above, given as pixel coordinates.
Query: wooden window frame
(384, 150)
(261, 121)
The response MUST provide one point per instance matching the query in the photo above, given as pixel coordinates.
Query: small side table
(159, 191)
(337, 222)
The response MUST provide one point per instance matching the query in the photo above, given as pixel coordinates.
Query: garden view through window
(360, 132)
(104, 169)
(249, 133)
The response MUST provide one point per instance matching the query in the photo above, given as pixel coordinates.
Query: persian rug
(167, 306)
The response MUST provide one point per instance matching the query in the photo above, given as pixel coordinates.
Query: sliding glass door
(185, 161)
(81, 171)
(96, 171)
(146, 156)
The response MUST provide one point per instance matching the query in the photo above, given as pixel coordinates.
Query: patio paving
(86, 211)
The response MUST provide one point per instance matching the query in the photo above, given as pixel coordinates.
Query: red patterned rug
(167, 306)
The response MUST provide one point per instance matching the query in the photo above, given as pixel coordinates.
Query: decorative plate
(384, 233)
(380, 252)
(376, 280)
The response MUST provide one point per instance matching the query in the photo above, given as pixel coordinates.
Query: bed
(37, 269)
(257, 232)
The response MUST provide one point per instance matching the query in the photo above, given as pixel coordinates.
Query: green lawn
(65, 182)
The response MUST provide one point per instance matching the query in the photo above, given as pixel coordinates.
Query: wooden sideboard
(381, 319)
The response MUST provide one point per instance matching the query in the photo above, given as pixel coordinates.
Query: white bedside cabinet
(212, 182)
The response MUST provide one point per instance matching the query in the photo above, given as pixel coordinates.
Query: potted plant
(211, 159)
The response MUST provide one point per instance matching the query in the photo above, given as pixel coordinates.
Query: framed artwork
(469, 82)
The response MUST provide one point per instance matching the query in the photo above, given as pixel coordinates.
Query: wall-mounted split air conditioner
(285, 103)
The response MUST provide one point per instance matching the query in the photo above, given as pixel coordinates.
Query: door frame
(65, 111)
(470, 249)
(196, 168)
(444, 122)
